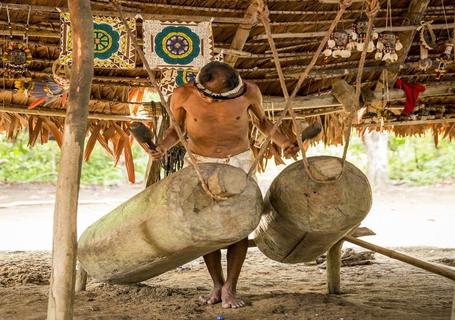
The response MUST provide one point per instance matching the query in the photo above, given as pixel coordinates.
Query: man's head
(218, 77)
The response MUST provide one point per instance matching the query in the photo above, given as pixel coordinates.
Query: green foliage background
(412, 160)
(19, 163)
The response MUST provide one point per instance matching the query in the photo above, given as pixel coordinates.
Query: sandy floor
(386, 289)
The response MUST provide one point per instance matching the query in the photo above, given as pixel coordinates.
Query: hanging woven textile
(112, 46)
(177, 45)
(172, 79)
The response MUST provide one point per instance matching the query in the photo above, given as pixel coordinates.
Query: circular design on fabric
(106, 41)
(177, 45)
(17, 56)
(184, 77)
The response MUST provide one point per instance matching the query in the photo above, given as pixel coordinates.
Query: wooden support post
(334, 268)
(81, 279)
(64, 250)
(243, 31)
(431, 267)
(153, 171)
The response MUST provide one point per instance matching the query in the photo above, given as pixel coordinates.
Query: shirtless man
(214, 112)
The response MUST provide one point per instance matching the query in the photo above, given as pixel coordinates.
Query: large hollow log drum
(171, 223)
(303, 218)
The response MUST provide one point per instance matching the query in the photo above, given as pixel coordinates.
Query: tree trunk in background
(64, 248)
(376, 147)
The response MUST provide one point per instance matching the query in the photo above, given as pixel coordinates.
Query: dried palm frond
(52, 128)
(33, 135)
(92, 141)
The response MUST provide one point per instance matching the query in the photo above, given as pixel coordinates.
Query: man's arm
(170, 135)
(261, 121)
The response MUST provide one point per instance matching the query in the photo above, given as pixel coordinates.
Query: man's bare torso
(217, 129)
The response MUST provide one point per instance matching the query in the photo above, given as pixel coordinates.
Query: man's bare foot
(213, 298)
(230, 300)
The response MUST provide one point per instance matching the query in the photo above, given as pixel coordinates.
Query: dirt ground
(385, 289)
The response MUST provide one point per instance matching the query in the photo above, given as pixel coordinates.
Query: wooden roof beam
(133, 13)
(243, 30)
(271, 103)
(320, 34)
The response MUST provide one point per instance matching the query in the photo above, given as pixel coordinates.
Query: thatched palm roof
(297, 25)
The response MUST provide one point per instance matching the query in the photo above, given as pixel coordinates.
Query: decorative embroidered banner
(172, 79)
(177, 45)
(112, 46)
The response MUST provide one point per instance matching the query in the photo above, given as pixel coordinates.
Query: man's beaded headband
(231, 94)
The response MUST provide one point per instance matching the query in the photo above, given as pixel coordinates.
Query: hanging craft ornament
(358, 35)
(445, 59)
(17, 57)
(337, 45)
(388, 43)
(178, 45)
(112, 46)
(448, 55)
(427, 40)
(387, 47)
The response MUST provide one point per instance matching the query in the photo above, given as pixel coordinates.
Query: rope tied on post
(344, 4)
(371, 12)
(165, 103)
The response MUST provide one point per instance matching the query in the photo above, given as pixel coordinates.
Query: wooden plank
(243, 31)
(64, 249)
(430, 267)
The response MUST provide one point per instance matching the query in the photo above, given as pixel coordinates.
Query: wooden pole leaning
(344, 5)
(431, 267)
(64, 249)
(165, 103)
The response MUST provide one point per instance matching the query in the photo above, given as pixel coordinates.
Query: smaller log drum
(303, 218)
